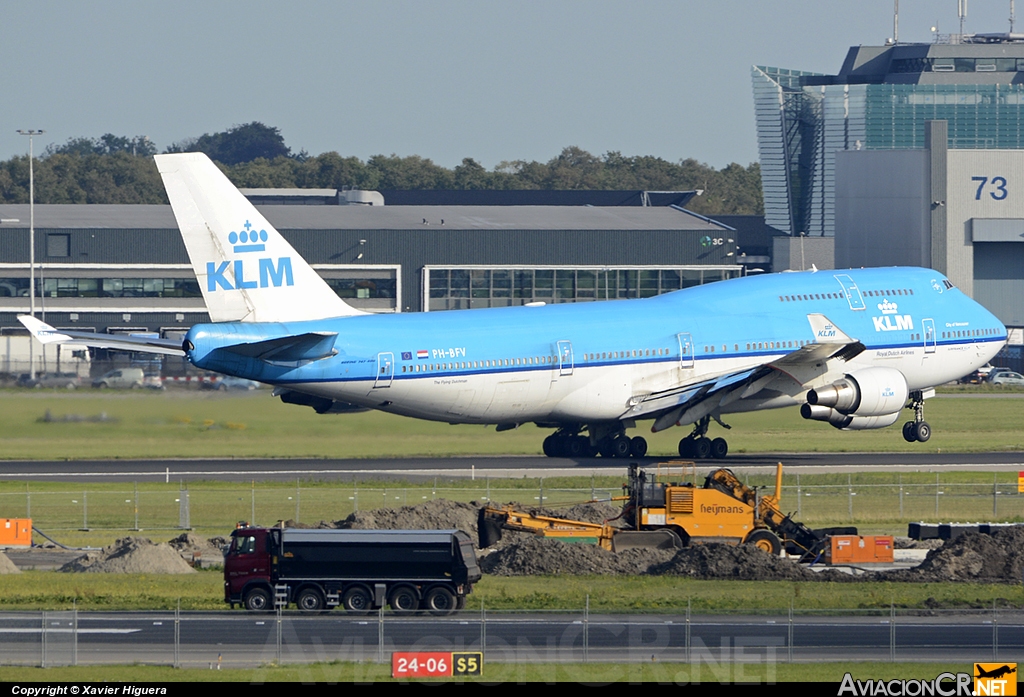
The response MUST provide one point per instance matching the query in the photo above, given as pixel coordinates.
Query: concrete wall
(882, 208)
(799, 253)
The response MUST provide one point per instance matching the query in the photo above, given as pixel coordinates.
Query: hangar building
(123, 268)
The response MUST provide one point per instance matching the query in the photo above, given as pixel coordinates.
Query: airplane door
(685, 350)
(565, 359)
(929, 335)
(851, 291)
(385, 370)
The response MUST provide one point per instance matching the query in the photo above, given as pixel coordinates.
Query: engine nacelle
(867, 392)
(845, 422)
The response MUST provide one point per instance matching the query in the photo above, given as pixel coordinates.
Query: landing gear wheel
(357, 600)
(638, 446)
(686, 447)
(576, 446)
(922, 431)
(257, 600)
(621, 446)
(550, 446)
(440, 601)
(310, 600)
(719, 448)
(403, 600)
(702, 448)
(766, 541)
(908, 432)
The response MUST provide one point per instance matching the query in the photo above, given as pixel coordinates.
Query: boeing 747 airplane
(850, 348)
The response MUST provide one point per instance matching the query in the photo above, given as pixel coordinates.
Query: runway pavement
(241, 639)
(501, 466)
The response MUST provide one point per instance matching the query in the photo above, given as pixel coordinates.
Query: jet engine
(845, 422)
(868, 398)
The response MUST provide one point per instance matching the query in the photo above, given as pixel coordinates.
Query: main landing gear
(699, 447)
(605, 442)
(917, 430)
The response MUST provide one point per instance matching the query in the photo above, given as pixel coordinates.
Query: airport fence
(686, 640)
(219, 506)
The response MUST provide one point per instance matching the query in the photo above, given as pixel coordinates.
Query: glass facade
(355, 286)
(460, 288)
(804, 118)
(102, 287)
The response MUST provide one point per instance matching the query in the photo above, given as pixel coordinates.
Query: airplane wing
(691, 402)
(46, 334)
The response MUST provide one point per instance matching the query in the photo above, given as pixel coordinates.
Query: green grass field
(95, 513)
(187, 424)
(46, 590)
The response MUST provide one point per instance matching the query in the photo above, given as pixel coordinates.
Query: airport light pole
(31, 239)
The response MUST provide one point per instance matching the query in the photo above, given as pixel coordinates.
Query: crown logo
(251, 240)
(888, 308)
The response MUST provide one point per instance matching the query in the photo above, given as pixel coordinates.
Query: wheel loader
(664, 508)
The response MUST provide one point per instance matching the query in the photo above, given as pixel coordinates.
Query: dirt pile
(200, 551)
(973, 556)
(742, 562)
(531, 555)
(441, 514)
(7, 566)
(131, 555)
(908, 543)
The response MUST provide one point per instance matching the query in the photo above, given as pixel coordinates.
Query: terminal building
(913, 154)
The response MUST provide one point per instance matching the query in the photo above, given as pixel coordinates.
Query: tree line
(119, 169)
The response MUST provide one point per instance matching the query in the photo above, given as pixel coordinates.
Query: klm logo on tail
(248, 235)
(268, 273)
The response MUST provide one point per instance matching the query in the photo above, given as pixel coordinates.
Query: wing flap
(690, 402)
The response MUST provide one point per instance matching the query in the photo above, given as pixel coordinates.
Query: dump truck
(664, 508)
(360, 570)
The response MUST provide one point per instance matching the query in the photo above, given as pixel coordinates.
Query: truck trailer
(360, 570)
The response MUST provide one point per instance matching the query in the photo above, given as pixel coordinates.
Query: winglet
(826, 332)
(43, 332)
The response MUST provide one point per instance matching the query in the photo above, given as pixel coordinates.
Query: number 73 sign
(436, 664)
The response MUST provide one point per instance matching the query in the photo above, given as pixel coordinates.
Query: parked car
(122, 378)
(229, 383)
(67, 381)
(996, 372)
(1008, 377)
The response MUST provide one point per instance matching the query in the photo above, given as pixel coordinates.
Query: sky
(443, 79)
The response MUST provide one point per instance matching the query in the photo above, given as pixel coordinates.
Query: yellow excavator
(663, 508)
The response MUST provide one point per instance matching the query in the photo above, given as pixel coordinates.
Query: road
(248, 640)
(498, 466)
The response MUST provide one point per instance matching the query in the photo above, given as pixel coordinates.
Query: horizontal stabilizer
(287, 349)
(115, 342)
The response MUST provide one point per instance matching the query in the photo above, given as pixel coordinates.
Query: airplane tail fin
(246, 270)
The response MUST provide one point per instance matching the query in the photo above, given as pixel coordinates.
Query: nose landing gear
(918, 430)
